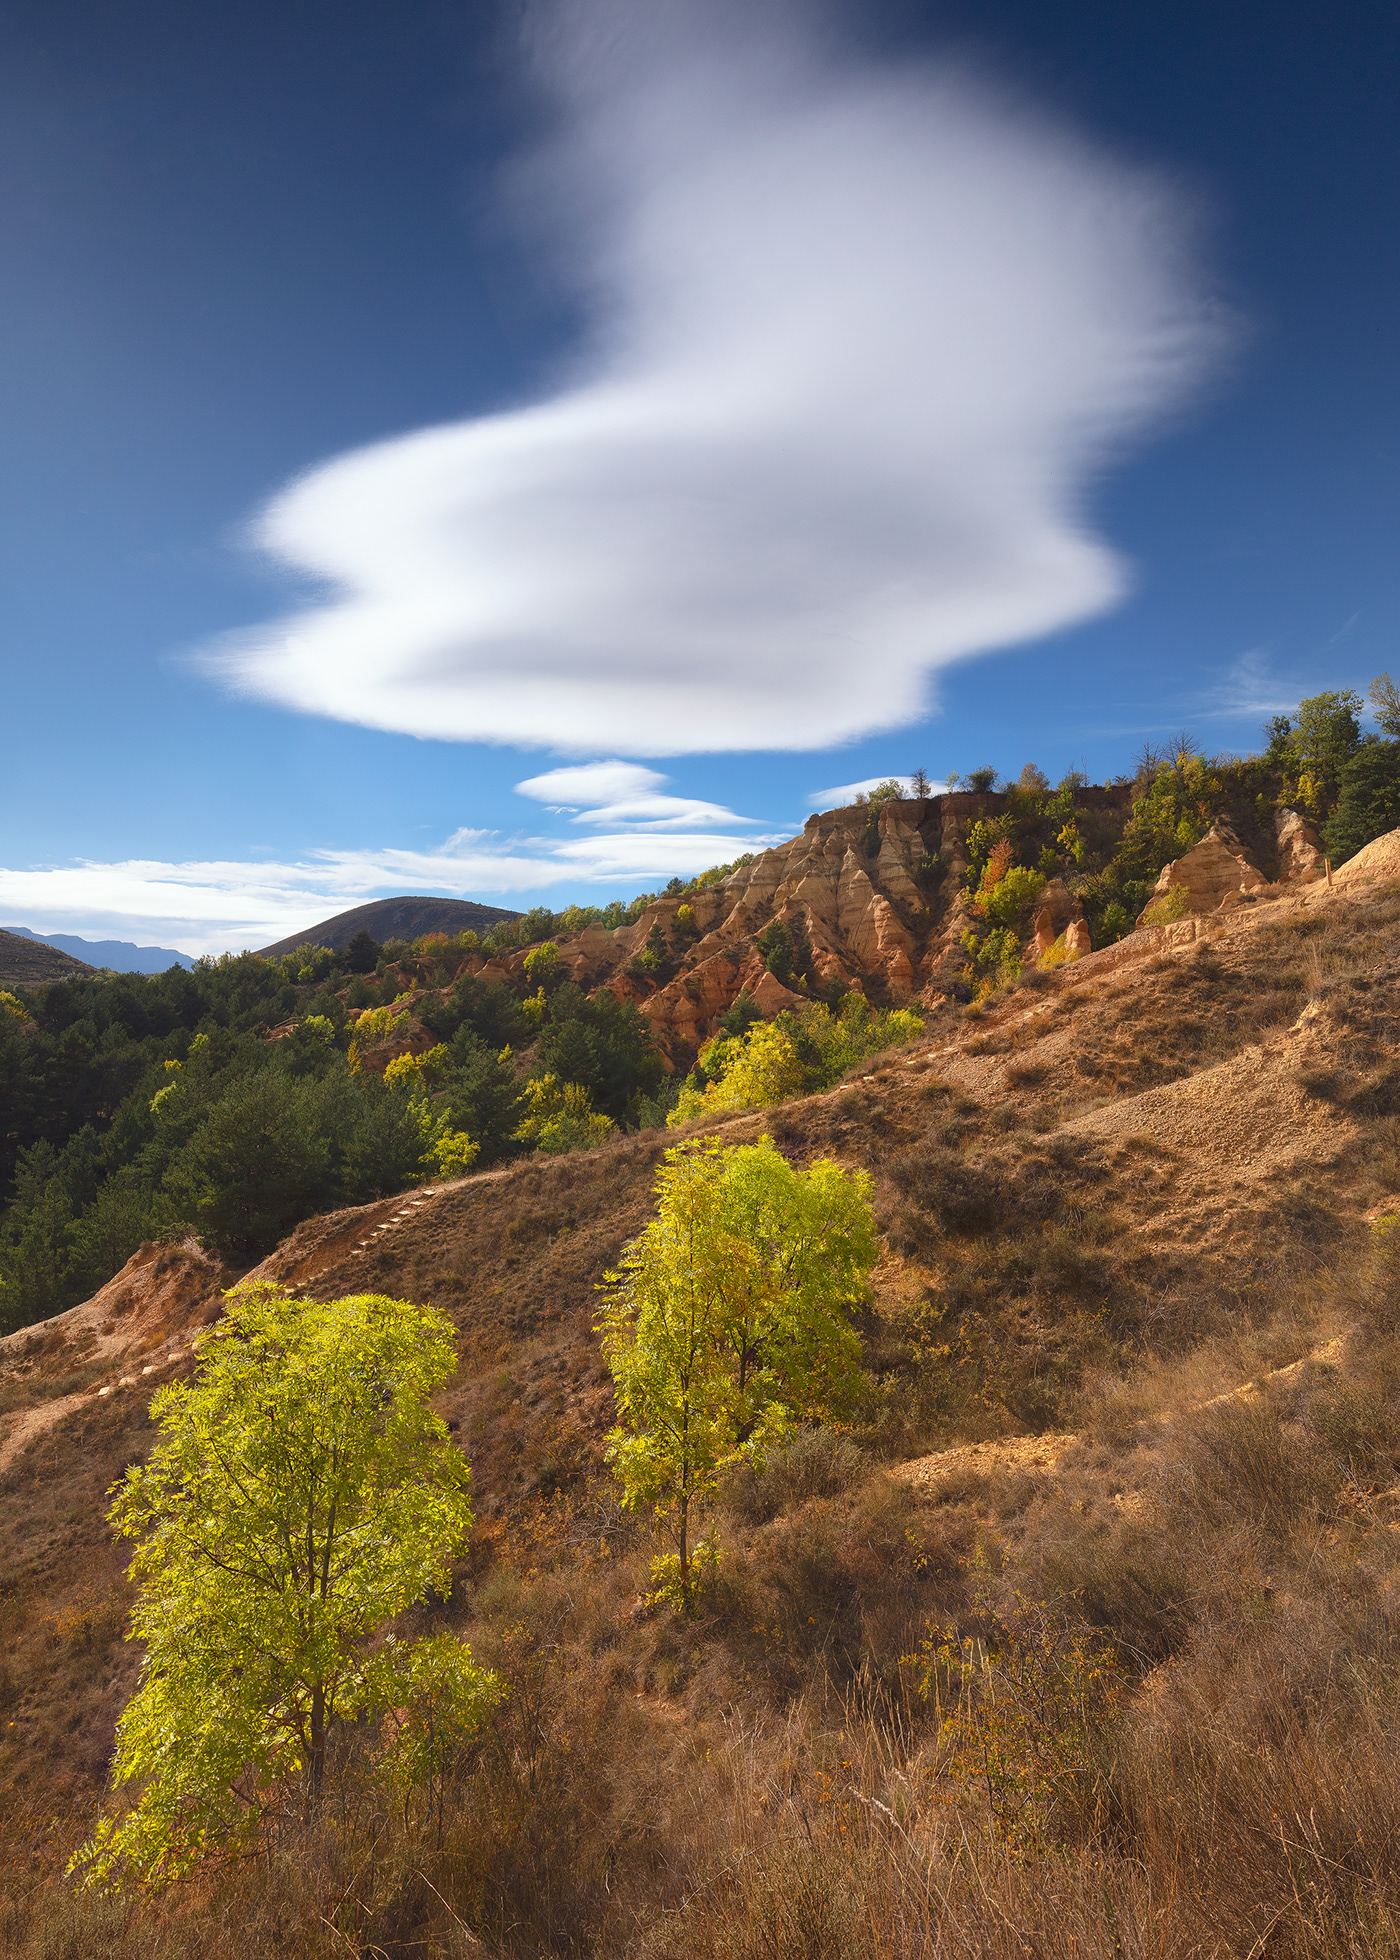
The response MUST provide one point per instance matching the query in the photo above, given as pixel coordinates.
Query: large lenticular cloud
(861, 337)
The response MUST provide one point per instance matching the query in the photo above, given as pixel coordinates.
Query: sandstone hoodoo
(1058, 914)
(872, 897)
(1214, 870)
(1299, 847)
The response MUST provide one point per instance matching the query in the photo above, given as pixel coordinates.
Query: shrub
(1172, 905)
(559, 1117)
(542, 964)
(791, 1055)
(728, 1320)
(301, 1495)
(1018, 1709)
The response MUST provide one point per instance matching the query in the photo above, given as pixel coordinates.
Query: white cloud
(227, 904)
(623, 792)
(861, 338)
(844, 793)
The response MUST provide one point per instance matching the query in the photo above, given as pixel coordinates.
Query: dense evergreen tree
(1369, 803)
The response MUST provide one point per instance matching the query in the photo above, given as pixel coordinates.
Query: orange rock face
(863, 893)
(1056, 913)
(877, 895)
(1215, 869)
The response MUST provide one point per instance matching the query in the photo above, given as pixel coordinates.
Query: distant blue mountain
(119, 954)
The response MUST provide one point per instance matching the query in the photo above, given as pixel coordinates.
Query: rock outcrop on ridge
(867, 889)
(878, 893)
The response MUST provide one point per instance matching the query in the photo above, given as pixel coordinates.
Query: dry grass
(764, 1780)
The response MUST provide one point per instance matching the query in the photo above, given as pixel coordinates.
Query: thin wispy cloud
(227, 905)
(844, 793)
(1250, 687)
(623, 792)
(861, 337)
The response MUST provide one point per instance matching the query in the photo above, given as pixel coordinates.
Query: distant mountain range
(394, 918)
(119, 954)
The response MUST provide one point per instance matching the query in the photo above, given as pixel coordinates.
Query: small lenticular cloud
(862, 336)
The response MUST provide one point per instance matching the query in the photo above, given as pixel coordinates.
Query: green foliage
(752, 1071)
(604, 1044)
(728, 1324)
(717, 873)
(256, 1162)
(418, 1073)
(1326, 730)
(738, 1018)
(1384, 697)
(1368, 803)
(654, 962)
(1008, 902)
(1019, 1710)
(538, 924)
(559, 1117)
(447, 1151)
(362, 954)
(488, 1009)
(787, 953)
(452, 1151)
(301, 1494)
(239, 1143)
(792, 1055)
(891, 790)
(374, 1025)
(542, 965)
(1172, 905)
(995, 957)
(482, 1097)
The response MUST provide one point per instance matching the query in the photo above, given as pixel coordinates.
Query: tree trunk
(685, 1553)
(318, 1743)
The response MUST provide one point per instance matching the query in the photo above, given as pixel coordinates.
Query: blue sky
(403, 405)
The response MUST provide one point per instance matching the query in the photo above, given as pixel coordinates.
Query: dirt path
(1043, 1453)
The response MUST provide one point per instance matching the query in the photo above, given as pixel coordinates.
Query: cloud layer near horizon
(861, 336)
(634, 835)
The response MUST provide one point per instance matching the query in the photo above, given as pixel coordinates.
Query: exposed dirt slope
(1100, 1167)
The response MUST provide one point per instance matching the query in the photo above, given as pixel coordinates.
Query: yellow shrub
(560, 1117)
(1164, 911)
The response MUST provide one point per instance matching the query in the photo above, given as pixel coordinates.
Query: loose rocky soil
(1097, 1170)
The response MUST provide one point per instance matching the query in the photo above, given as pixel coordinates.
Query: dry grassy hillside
(29, 963)
(1133, 1359)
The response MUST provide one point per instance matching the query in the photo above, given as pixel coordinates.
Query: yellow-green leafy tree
(727, 1325)
(300, 1495)
(559, 1117)
(791, 1055)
